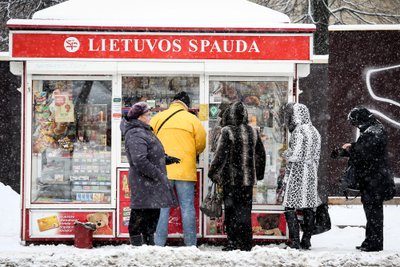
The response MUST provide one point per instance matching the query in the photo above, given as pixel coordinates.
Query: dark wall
(352, 55)
(314, 96)
(332, 90)
(10, 128)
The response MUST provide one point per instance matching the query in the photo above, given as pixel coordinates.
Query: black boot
(293, 226)
(136, 240)
(308, 227)
(229, 246)
(148, 239)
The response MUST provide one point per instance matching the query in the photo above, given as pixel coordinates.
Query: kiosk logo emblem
(71, 44)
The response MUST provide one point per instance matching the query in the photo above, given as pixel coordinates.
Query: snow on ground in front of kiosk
(334, 248)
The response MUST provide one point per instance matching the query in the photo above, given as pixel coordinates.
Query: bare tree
(340, 11)
(19, 9)
(323, 13)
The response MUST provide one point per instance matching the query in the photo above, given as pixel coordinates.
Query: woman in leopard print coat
(301, 180)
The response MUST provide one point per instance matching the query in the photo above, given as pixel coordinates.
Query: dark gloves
(338, 152)
(335, 153)
(171, 160)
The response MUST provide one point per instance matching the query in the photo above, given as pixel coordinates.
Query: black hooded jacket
(369, 157)
(239, 158)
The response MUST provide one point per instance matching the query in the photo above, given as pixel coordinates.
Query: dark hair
(184, 97)
(288, 116)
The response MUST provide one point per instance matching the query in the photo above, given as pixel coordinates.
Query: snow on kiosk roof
(159, 15)
(169, 29)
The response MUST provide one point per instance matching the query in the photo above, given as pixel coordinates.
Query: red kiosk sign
(161, 46)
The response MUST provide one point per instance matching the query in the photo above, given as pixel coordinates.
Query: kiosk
(84, 63)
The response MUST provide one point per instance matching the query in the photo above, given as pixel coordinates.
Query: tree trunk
(321, 17)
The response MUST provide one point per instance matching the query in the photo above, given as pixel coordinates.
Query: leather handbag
(212, 204)
(389, 186)
(322, 219)
(349, 182)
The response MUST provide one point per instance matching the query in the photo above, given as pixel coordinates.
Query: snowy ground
(334, 248)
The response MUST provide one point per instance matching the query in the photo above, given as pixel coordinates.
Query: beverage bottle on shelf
(93, 136)
(85, 136)
(101, 116)
(92, 115)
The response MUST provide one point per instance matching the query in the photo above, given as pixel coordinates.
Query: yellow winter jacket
(183, 136)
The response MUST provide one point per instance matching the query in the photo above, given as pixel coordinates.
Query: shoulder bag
(212, 204)
(349, 182)
(389, 186)
(162, 124)
(322, 219)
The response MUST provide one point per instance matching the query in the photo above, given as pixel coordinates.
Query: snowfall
(333, 248)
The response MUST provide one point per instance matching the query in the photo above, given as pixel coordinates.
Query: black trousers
(143, 222)
(238, 204)
(374, 228)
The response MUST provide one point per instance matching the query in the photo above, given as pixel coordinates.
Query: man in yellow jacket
(184, 137)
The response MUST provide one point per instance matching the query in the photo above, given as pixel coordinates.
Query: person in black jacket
(148, 181)
(239, 161)
(369, 157)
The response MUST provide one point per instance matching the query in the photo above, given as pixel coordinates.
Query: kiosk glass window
(71, 141)
(158, 92)
(264, 99)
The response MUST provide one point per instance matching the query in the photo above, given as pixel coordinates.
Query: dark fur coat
(239, 158)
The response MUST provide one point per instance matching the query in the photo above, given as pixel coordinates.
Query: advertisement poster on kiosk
(61, 223)
(175, 219)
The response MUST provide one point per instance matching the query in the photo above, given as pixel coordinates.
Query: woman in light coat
(301, 180)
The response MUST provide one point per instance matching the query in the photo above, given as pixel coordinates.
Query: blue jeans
(185, 191)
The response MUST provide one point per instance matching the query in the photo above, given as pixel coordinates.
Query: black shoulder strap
(162, 124)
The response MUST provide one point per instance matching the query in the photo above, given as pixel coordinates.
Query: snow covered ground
(334, 248)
